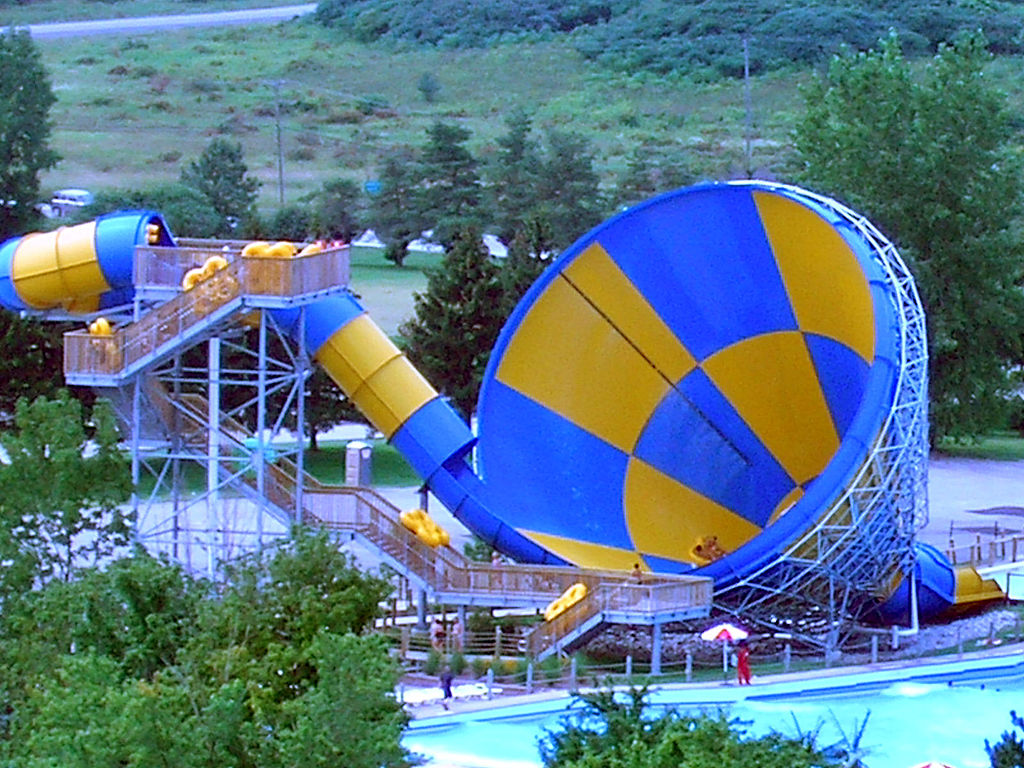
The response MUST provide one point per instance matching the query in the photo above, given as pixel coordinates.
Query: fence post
(895, 637)
(572, 675)
(529, 677)
(629, 665)
(689, 666)
(497, 642)
(787, 657)
(490, 683)
(874, 649)
(404, 648)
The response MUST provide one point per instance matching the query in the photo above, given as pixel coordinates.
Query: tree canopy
(25, 126)
(140, 664)
(691, 36)
(926, 158)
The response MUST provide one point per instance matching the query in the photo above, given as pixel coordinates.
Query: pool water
(908, 723)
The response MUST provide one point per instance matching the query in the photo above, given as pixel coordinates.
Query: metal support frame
(863, 541)
(202, 402)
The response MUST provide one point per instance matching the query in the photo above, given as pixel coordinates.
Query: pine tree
(567, 187)
(512, 175)
(396, 210)
(452, 196)
(457, 321)
(221, 174)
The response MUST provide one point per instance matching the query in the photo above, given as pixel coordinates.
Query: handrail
(164, 267)
(625, 597)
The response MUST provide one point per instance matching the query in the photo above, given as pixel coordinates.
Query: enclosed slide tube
(691, 386)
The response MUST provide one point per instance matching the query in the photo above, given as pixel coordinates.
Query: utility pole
(748, 107)
(280, 149)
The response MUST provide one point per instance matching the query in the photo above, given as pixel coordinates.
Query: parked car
(66, 200)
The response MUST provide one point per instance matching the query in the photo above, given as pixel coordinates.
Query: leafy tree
(59, 506)
(614, 731)
(189, 213)
(512, 174)
(355, 678)
(293, 222)
(651, 170)
(271, 670)
(457, 321)
(221, 174)
(396, 210)
(567, 187)
(451, 197)
(31, 360)
(927, 159)
(25, 101)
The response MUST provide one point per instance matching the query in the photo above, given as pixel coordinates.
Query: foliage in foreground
(1008, 752)
(142, 665)
(618, 731)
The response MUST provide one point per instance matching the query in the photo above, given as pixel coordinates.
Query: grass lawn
(132, 110)
(999, 446)
(327, 465)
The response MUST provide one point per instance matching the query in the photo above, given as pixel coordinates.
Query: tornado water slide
(727, 380)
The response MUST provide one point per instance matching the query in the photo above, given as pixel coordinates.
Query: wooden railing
(622, 597)
(279, 277)
(988, 551)
(161, 267)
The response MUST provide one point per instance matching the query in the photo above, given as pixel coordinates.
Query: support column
(261, 425)
(300, 427)
(656, 649)
(212, 440)
(421, 609)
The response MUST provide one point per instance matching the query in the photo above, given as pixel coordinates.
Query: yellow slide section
(374, 374)
(52, 269)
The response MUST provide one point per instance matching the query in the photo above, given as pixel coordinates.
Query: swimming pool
(930, 712)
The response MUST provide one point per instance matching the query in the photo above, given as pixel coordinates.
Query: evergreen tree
(512, 175)
(25, 101)
(451, 198)
(336, 210)
(221, 175)
(528, 255)
(396, 210)
(457, 321)
(928, 159)
(568, 194)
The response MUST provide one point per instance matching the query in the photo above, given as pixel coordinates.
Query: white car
(66, 200)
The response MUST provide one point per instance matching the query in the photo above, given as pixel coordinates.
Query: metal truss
(208, 431)
(824, 583)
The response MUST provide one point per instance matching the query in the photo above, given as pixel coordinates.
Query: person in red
(742, 663)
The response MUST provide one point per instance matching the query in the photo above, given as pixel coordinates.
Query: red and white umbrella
(724, 633)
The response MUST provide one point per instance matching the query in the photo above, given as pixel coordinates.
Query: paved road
(146, 24)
